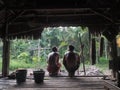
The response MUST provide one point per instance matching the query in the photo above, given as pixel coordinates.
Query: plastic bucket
(38, 76)
(21, 75)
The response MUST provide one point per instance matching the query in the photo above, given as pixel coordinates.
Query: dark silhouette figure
(71, 61)
(53, 62)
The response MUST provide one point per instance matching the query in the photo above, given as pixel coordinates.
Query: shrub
(14, 64)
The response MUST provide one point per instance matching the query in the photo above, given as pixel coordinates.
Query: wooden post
(39, 49)
(101, 46)
(6, 56)
(6, 48)
(82, 56)
(114, 56)
(93, 51)
(111, 36)
(90, 41)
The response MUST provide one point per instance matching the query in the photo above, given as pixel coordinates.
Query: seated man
(71, 61)
(53, 62)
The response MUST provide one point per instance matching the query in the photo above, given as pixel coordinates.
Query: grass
(15, 64)
(19, 64)
(103, 64)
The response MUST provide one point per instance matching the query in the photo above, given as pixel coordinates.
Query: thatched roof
(27, 18)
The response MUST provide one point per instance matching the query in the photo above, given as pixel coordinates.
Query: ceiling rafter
(23, 15)
(59, 15)
(1, 2)
(48, 4)
(103, 15)
(23, 32)
(14, 17)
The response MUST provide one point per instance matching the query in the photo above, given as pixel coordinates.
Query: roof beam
(103, 15)
(54, 4)
(59, 15)
(63, 19)
(37, 29)
(1, 2)
(14, 17)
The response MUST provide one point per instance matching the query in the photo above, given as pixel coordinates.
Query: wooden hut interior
(23, 19)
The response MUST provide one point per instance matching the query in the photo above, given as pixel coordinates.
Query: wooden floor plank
(63, 83)
(55, 89)
(55, 83)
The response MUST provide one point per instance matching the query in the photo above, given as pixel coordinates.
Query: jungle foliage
(26, 53)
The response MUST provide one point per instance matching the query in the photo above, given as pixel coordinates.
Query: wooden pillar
(110, 33)
(6, 48)
(101, 46)
(93, 51)
(90, 40)
(6, 57)
(114, 55)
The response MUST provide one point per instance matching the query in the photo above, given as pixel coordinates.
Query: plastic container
(21, 75)
(39, 76)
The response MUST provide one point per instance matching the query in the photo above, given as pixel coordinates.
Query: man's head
(71, 47)
(54, 49)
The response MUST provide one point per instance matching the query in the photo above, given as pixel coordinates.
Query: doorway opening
(32, 54)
